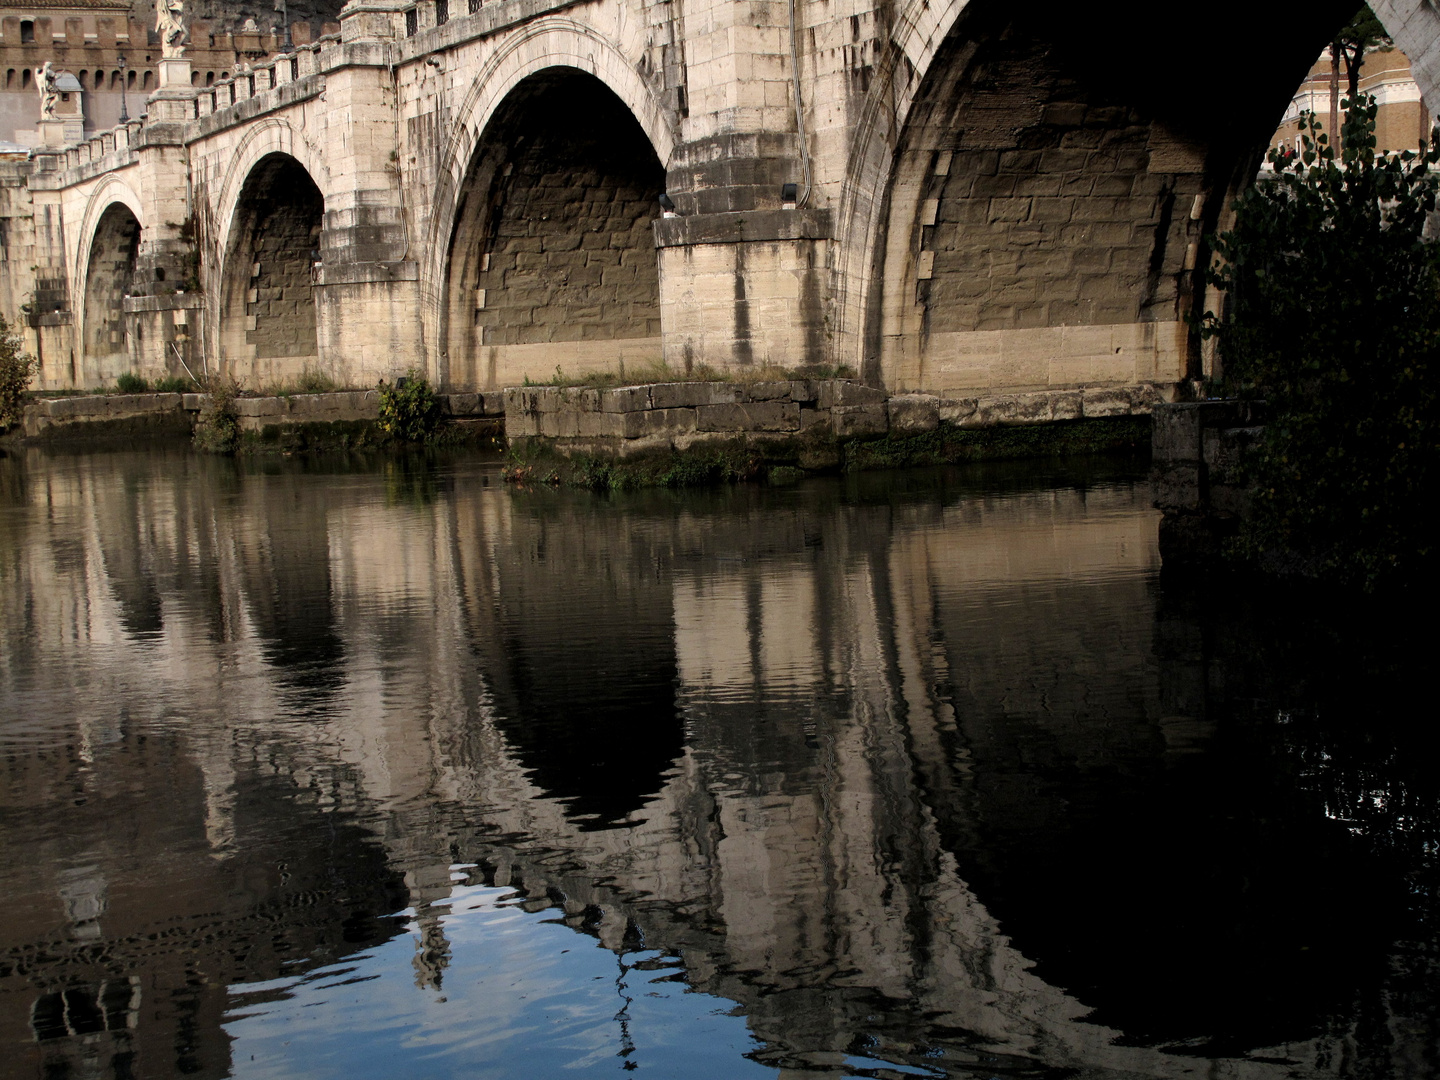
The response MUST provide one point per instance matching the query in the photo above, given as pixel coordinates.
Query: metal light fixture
(124, 108)
(667, 205)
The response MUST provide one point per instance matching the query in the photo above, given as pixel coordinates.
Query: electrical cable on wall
(799, 110)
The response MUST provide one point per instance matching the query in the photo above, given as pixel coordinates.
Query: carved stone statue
(49, 94)
(170, 26)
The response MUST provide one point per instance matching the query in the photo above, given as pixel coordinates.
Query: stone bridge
(942, 194)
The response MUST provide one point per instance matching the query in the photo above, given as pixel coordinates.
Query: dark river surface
(381, 768)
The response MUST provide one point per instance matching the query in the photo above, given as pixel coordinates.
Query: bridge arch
(897, 288)
(110, 233)
(546, 53)
(267, 314)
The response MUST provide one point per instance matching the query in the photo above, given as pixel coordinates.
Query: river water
(381, 768)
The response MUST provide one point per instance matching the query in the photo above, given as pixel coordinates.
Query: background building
(1402, 120)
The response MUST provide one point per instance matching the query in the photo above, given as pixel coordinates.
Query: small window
(116, 82)
(442, 12)
(10, 79)
(209, 78)
(25, 79)
(194, 78)
(149, 76)
(474, 6)
(131, 80)
(99, 80)
(83, 77)
(65, 97)
(412, 22)
(27, 31)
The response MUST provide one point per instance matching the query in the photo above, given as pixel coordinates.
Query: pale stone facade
(975, 204)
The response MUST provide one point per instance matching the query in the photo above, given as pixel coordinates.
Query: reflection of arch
(550, 42)
(267, 309)
(559, 130)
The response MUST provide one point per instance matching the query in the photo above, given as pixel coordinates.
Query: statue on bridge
(170, 26)
(49, 92)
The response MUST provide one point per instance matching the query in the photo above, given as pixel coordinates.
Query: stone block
(957, 410)
(753, 416)
(625, 399)
(1177, 485)
(1108, 402)
(259, 406)
(1013, 409)
(857, 420)
(833, 392)
(689, 395)
(493, 403)
(194, 402)
(462, 404)
(911, 413)
(819, 419)
(1175, 434)
(1065, 405)
(766, 391)
(591, 425)
(638, 425)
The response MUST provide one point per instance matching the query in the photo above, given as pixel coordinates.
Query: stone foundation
(1198, 450)
(629, 420)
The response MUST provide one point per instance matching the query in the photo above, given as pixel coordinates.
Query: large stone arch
(888, 183)
(548, 44)
(266, 313)
(111, 192)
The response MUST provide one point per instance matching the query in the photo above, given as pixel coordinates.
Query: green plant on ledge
(218, 429)
(16, 370)
(130, 383)
(408, 409)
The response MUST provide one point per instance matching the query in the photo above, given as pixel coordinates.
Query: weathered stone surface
(859, 420)
(625, 399)
(757, 416)
(957, 410)
(912, 413)
(689, 395)
(462, 404)
(1111, 401)
(638, 425)
(767, 391)
(493, 403)
(1065, 405)
(1175, 434)
(833, 392)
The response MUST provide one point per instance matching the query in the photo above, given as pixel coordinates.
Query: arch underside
(110, 266)
(268, 331)
(552, 260)
(1041, 219)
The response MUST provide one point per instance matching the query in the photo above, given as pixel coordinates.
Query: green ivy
(17, 368)
(1332, 315)
(408, 412)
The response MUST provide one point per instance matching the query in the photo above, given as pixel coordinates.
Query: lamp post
(124, 108)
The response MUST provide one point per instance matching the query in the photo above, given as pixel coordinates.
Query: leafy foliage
(1333, 316)
(408, 410)
(1362, 32)
(17, 368)
(218, 429)
(130, 383)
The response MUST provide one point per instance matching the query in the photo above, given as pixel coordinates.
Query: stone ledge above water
(625, 420)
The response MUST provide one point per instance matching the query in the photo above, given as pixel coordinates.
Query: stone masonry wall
(280, 306)
(107, 282)
(570, 255)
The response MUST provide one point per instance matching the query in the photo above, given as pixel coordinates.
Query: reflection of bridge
(340, 697)
(985, 199)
